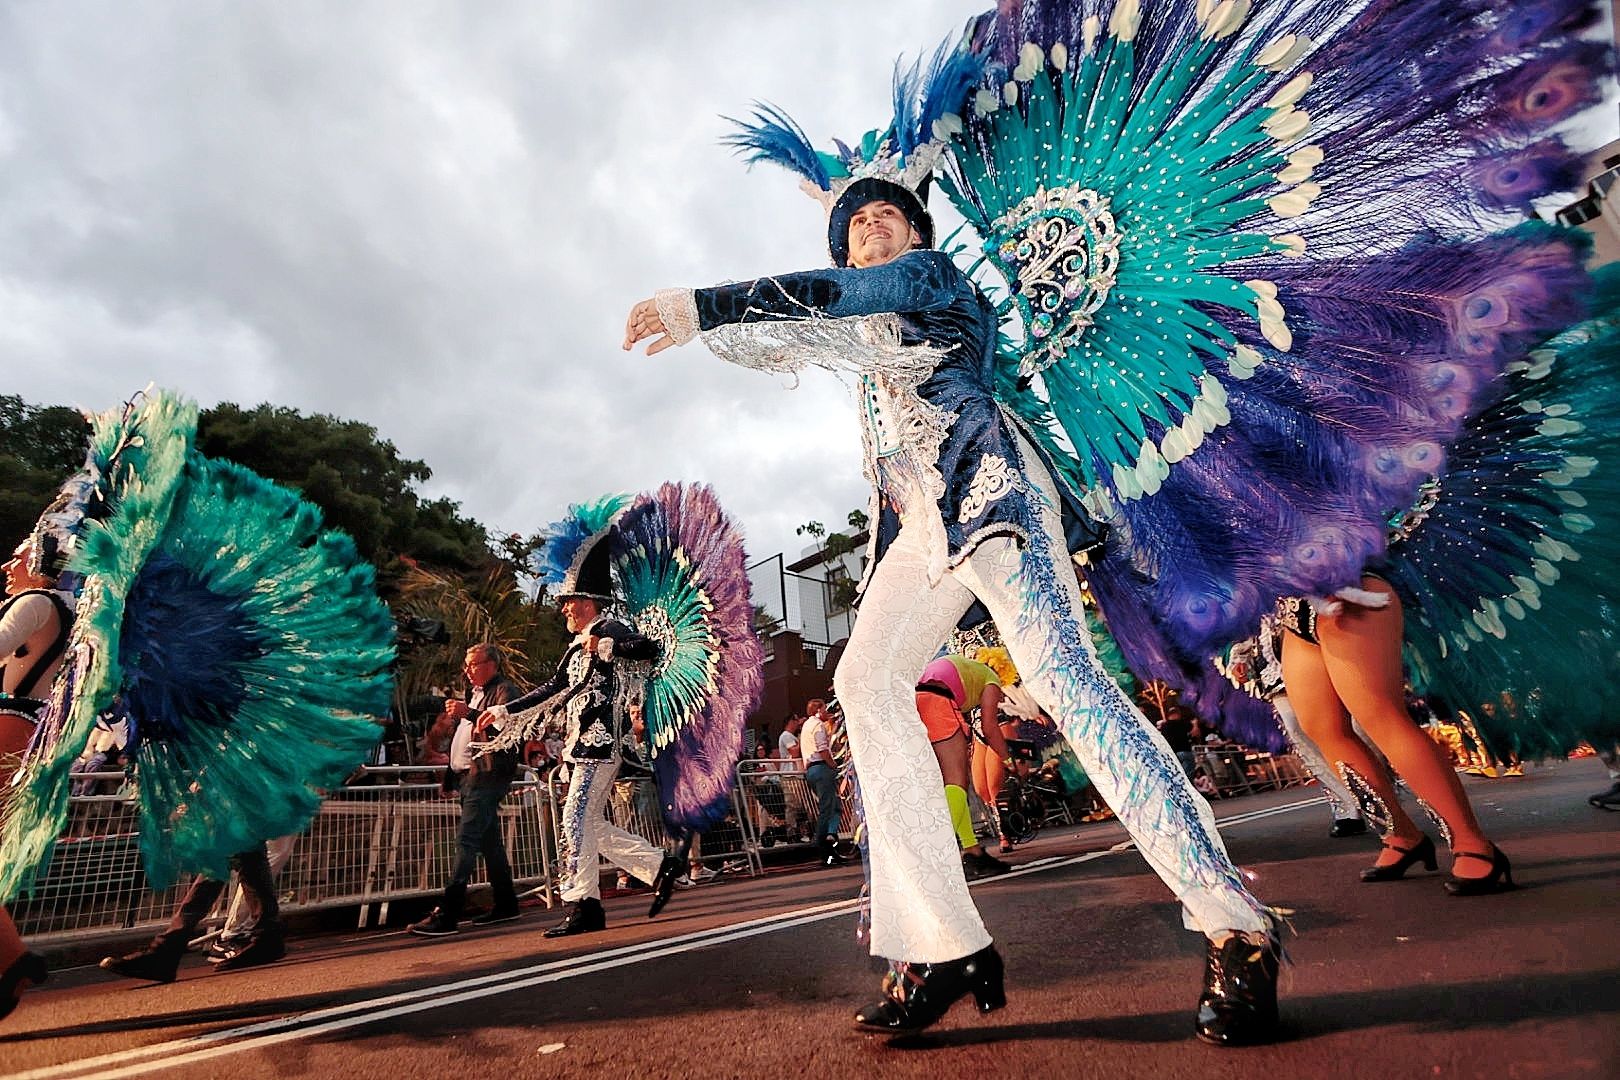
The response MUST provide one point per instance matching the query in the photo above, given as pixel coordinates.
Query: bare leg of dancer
(1325, 721)
(1361, 652)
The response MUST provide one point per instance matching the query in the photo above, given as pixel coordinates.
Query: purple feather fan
(680, 563)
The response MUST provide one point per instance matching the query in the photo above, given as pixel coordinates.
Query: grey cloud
(433, 218)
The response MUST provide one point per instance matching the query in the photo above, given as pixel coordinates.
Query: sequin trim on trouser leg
(590, 785)
(1373, 807)
(1034, 596)
(1340, 799)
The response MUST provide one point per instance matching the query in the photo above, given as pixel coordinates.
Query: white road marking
(199, 1048)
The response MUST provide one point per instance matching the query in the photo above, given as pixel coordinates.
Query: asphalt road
(757, 978)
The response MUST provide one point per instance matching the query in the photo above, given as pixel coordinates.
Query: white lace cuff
(678, 309)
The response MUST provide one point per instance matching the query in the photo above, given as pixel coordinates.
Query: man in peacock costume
(1251, 289)
(243, 643)
(684, 658)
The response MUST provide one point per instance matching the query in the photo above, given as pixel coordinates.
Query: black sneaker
(261, 950)
(1607, 800)
(1347, 826)
(437, 924)
(497, 915)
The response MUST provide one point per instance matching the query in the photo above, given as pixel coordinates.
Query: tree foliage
(434, 562)
(489, 609)
(39, 446)
(360, 482)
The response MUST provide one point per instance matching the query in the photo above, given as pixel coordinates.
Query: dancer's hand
(645, 322)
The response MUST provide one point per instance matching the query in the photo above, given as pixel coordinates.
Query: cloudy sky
(433, 218)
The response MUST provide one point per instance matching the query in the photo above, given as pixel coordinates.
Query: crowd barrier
(1234, 770)
(390, 834)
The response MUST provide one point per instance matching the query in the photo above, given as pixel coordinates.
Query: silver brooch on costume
(1406, 522)
(1059, 249)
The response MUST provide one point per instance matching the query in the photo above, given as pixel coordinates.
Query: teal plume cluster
(243, 643)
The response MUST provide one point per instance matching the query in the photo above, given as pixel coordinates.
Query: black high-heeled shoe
(1500, 879)
(1421, 852)
(924, 992)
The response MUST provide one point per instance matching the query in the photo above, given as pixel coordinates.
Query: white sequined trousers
(921, 909)
(587, 834)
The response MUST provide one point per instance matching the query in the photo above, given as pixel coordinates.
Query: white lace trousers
(921, 909)
(1340, 800)
(587, 834)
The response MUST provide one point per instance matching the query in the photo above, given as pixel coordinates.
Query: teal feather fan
(1114, 274)
(1508, 568)
(244, 645)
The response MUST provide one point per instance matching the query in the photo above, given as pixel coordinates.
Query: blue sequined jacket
(932, 430)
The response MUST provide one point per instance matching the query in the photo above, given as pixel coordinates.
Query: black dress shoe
(1500, 879)
(261, 950)
(155, 963)
(1239, 1003)
(1421, 852)
(671, 868)
(25, 971)
(587, 917)
(923, 993)
(1348, 826)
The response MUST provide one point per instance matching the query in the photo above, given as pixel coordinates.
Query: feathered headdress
(572, 560)
(83, 497)
(894, 165)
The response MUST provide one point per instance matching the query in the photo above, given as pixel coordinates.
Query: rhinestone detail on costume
(1059, 249)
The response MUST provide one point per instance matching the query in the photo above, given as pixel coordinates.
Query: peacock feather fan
(244, 644)
(1256, 255)
(682, 573)
(1507, 564)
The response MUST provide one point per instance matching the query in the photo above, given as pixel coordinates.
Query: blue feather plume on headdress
(924, 96)
(774, 137)
(561, 540)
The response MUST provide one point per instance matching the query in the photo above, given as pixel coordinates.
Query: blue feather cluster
(925, 95)
(562, 540)
(773, 136)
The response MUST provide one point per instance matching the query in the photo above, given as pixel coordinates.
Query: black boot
(158, 962)
(921, 994)
(671, 868)
(444, 919)
(982, 864)
(1239, 1003)
(585, 917)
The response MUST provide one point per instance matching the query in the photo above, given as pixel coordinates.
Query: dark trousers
(823, 780)
(253, 871)
(481, 833)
